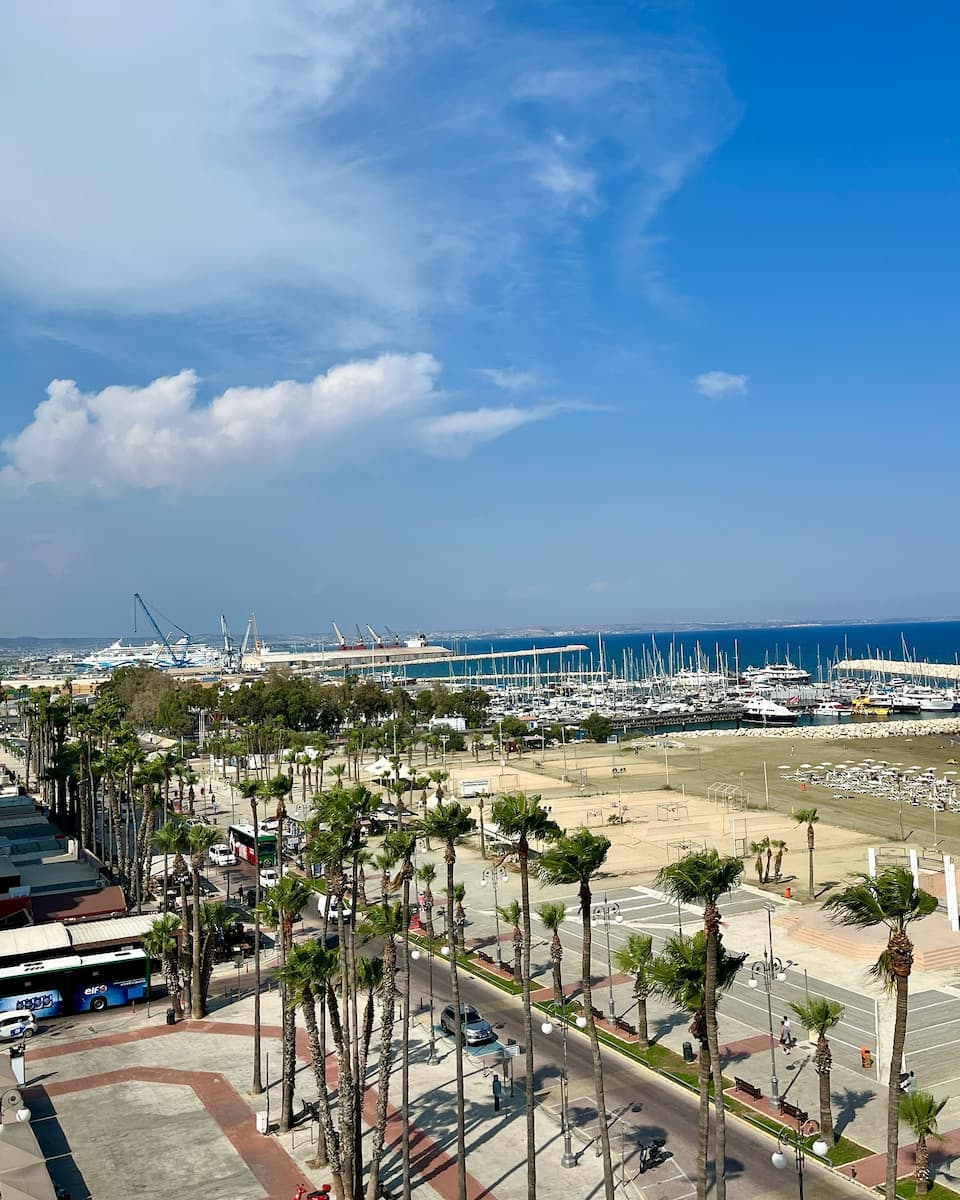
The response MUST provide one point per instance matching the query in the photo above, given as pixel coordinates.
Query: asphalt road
(667, 1111)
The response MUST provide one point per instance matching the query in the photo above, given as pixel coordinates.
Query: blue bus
(75, 983)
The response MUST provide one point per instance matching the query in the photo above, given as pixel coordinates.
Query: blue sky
(454, 316)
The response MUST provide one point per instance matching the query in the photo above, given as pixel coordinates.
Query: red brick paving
(265, 1158)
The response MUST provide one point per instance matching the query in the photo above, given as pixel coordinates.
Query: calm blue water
(813, 647)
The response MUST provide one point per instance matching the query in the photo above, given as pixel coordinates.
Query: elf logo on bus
(95, 991)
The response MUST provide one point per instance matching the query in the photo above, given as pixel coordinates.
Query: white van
(15, 1025)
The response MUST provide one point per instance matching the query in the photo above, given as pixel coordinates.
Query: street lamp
(494, 876)
(796, 1138)
(563, 1010)
(603, 914)
(765, 972)
(432, 1059)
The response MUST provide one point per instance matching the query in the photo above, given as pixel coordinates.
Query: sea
(812, 647)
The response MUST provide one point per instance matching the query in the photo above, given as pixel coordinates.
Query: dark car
(476, 1030)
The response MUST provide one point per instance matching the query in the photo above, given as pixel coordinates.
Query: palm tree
(385, 923)
(512, 914)
(702, 878)
(893, 900)
(251, 790)
(758, 849)
(449, 823)
(635, 959)
(199, 840)
(680, 976)
(919, 1111)
(427, 874)
(820, 1015)
(459, 895)
(808, 817)
(281, 907)
(780, 846)
(574, 859)
(403, 843)
(523, 819)
(553, 914)
(215, 919)
(172, 838)
(162, 944)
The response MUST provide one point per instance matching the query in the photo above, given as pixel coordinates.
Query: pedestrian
(786, 1036)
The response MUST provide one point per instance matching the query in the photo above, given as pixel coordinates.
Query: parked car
(476, 1029)
(15, 1025)
(222, 856)
(269, 876)
(332, 907)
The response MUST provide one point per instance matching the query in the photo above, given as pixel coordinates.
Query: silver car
(476, 1029)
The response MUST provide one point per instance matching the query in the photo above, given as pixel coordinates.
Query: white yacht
(761, 711)
(929, 699)
(777, 673)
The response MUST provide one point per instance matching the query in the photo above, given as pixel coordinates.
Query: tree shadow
(54, 1144)
(661, 1026)
(731, 1057)
(847, 1105)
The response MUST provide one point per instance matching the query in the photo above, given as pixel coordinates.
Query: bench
(748, 1089)
(793, 1112)
(485, 958)
(625, 1027)
(597, 1014)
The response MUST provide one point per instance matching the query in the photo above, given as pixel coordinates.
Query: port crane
(377, 639)
(177, 657)
(232, 658)
(391, 634)
(257, 644)
(343, 644)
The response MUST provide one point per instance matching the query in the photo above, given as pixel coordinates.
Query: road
(667, 1111)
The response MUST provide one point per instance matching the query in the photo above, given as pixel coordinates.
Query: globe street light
(563, 1011)
(765, 972)
(797, 1138)
(495, 876)
(602, 914)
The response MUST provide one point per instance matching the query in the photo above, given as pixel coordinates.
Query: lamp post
(796, 1138)
(432, 1059)
(765, 971)
(568, 1158)
(494, 876)
(602, 914)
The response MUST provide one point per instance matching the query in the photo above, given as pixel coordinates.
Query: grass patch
(845, 1151)
(907, 1188)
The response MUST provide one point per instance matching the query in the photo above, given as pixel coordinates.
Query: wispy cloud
(160, 436)
(715, 385)
(512, 379)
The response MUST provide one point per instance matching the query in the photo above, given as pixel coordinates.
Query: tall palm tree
(679, 974)
(553, 913)
(780, 848)
(919, 1111)
(403, 843)
(199, 839)
(635, 959)
(309, 976)
(216, 918)
(427, 874)
(523, 819)
(162, 944)
(808, 817)
(702, 878)
(572, 860)
(513, 915)
(251, 790)
(172, 838)
(449, 823)
(281, 907)
(821, 1015)
(460, 916)
(893, 900)
(386, 923)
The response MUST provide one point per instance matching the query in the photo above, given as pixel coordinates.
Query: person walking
(786, 1035)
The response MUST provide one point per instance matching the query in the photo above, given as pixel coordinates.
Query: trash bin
(688, 1052)
(262, 1126)
(866, 1058)
(788, 893)
(171, 1016)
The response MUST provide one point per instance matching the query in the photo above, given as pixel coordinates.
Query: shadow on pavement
(53, 1142)
(848, 1103)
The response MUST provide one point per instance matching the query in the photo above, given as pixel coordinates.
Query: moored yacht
(761, 711)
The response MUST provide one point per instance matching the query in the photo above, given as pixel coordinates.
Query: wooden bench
(597, 1014)
(485, 958)
(748, 1089)
(626, 1027)
(793, 1112)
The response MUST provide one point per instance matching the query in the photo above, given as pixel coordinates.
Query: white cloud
(717, 384)
(511, 379)
(159, 436)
